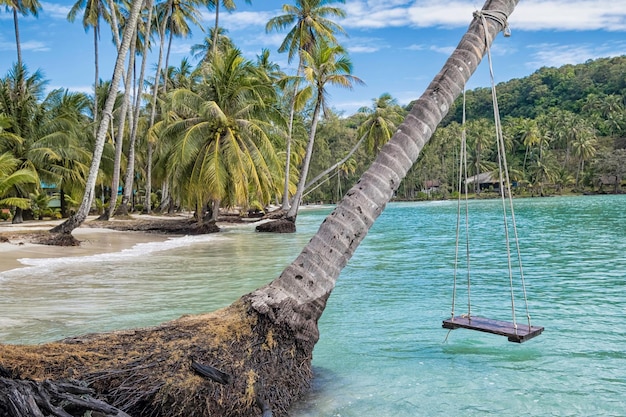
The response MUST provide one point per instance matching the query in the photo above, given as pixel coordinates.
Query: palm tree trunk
(165, 196)
(295, 204)
(147, 209)
(119, 139)
(96, 79)
(336, 165)
(215, 210)
(17, 38)
(130, 165)
(167, 62)
(292, 111)
(298, 296)
(155, 92)
(217, 25)
(77, 219)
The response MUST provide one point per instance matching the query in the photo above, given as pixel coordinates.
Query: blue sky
(396, 46)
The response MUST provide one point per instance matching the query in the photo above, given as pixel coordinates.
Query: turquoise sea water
(382, 349)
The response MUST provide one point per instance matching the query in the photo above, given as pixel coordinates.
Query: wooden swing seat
(502, 328)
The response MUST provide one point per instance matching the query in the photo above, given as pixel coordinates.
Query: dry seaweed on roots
(148, 372)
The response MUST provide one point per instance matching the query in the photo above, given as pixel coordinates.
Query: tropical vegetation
(219, 131)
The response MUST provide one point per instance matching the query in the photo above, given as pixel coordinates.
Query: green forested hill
(564, 128)
(566, 88)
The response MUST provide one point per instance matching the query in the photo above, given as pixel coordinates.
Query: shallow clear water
(382, 349)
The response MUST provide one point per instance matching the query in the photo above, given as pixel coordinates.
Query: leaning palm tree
(376, 130)
(94, 11)
(311, 24)
(325, 65)
(143, 46)
(79, 217)
(381, 122)
(264, 341)
(125, 109)
(23, 7)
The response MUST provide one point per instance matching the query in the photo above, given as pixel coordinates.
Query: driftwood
(162, 226)
(211, 372)
(63, 398)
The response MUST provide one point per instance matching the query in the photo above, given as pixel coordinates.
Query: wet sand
(93, 241)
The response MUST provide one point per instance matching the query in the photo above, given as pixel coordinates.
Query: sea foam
(32, 265)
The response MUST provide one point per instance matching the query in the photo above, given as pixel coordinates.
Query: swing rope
(462, 174)
(504, 183)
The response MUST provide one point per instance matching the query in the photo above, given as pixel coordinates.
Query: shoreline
(98, 237)
(93, 240)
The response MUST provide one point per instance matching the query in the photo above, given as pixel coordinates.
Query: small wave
(140, 249)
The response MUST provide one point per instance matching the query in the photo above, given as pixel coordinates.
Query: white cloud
(350, 107)
(363, 49)
(416, 47)
(441, 14)
(183, 48)
(245, 20)
(530, 15)
(556, 55)
(56, 10)
(364, 45)
(375, 15)
(36, 46)
(261, 40)
(446, 50)
(570, 15)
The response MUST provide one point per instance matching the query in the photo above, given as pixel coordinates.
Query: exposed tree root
(57, 239)
(40, 238)
(65, 398)
(166, 226)
(148, 372)
(277, 226)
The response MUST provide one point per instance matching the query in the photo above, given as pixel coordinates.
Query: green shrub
(421, 196)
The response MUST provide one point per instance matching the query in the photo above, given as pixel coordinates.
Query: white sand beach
(93, 241)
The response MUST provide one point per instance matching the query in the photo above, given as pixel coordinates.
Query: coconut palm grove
(218, 132)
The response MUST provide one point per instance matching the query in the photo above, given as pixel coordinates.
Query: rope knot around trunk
(497, 16)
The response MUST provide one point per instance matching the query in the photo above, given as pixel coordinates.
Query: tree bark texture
(304, 172)
(119, 137)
